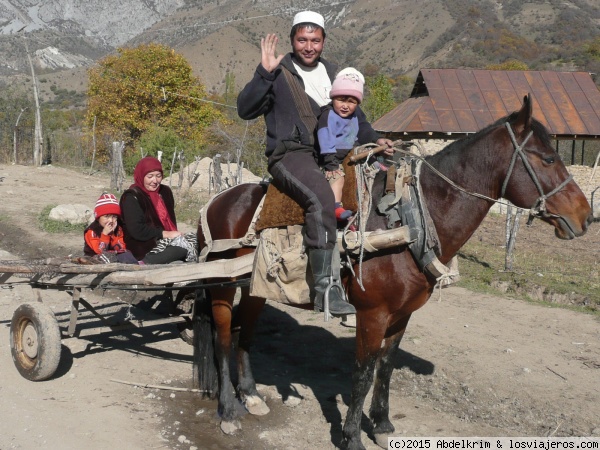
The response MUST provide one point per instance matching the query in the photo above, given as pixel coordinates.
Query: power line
(161, 89)
(198, 99)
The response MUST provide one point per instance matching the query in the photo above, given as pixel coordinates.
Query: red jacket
(96, 243)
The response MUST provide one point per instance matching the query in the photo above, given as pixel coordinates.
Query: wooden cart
(35, 334)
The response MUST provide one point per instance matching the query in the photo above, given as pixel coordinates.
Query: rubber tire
(36, 360)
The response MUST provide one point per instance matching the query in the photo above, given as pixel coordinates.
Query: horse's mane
(538, 129)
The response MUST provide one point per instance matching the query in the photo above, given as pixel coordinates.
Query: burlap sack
(279, 272)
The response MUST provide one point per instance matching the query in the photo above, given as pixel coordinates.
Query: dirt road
(471, 364)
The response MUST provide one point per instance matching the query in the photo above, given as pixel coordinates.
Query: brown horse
(512, 158)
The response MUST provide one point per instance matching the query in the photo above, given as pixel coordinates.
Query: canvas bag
(280, 262)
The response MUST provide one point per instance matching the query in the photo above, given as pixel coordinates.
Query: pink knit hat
(348, 82)
(107, 204)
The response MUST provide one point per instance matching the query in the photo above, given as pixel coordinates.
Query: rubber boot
(320, 264)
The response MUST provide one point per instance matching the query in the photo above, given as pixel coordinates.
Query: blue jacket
(337, 136)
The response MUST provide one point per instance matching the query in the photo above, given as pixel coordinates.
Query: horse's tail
(206, 377)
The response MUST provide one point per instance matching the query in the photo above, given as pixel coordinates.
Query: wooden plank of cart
(35, 334)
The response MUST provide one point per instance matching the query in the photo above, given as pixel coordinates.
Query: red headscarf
(145, 166)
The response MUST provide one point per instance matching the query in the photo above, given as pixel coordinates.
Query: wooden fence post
(172, 166)
(193, 174)
(217, 174)
(511, 237)
(181, 158)
(118, 172)
(93, 145)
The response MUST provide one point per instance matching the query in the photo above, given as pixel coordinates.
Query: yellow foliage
(511, 64)
(149, 85)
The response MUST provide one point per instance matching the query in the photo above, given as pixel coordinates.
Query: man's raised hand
(268, 45)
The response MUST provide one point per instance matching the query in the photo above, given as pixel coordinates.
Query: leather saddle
(279, 210)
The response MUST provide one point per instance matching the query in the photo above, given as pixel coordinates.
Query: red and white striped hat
(107, 204)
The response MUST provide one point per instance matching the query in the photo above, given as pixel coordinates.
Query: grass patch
(187, 205)
(187, 209)
(57, 226)
(545, 270)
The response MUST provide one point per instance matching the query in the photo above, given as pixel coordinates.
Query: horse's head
(537, 178)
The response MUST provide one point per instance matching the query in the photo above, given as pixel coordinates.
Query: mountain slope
(396, 37)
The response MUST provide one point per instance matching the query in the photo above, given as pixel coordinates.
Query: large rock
(74, 214)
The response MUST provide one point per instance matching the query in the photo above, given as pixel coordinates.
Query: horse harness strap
(414, 213)
(539, 207)
(407, 205)
(302, 104)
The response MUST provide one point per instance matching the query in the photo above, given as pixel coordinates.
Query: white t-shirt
(316, 82)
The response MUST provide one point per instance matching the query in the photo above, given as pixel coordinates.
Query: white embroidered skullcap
(309, 17)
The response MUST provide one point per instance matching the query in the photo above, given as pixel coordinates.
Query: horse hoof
(230, 427)
(256, 405)
(382, 440)
(353, 445)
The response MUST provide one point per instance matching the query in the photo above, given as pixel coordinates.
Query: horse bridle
(538, 209)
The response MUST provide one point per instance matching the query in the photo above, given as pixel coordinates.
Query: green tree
(230, 94)
(511, 64)
(403, 86)
(12, 102)
(379, 98)
(159, 139)
(244, 140)
(593, 49)
(146, 86)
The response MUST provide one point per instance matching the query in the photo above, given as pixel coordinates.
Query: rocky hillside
(396, 37)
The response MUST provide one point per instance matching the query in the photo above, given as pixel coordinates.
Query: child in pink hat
(338, 131)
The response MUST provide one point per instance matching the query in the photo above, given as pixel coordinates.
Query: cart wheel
(184, 302)
(35, 341)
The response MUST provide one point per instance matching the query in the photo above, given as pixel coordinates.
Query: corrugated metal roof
(459, 101)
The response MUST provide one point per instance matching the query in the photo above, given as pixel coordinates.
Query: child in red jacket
(104, 236)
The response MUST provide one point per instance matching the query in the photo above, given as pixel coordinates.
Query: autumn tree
(146, 87)
(511, 64)
(379, 98)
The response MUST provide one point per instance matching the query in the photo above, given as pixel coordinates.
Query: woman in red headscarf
(148, 211)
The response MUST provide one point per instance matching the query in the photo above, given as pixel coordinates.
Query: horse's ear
(524, 116)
